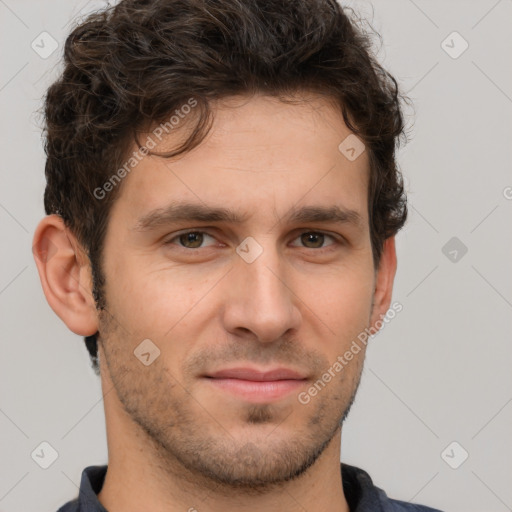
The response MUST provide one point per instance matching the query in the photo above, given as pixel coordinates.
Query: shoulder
(403, 506)
(90, 485)
(363, 495)
(70, 506)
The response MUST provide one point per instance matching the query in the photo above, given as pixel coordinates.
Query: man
(222, 201)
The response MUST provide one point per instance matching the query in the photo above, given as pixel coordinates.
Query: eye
(315, 239)
(195, 239)
(190, 239)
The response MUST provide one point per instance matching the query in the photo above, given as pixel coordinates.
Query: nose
(260, 298)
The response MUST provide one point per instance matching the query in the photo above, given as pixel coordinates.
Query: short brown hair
(132, 64)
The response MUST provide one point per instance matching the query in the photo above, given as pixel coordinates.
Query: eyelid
(185, 232)
(338, 239)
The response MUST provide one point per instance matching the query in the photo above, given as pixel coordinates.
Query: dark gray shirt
(360, 493)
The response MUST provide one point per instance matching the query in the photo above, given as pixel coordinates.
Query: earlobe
(65, 275)
(384, 280)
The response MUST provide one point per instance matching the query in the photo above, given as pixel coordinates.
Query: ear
(384, 278)
(65, 275)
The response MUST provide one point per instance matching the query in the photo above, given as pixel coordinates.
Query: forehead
(260, 153)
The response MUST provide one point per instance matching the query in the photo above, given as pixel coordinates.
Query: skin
(175, 441)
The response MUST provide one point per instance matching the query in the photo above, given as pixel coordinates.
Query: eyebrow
(192, 212)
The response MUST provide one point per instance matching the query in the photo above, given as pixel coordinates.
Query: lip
(255, 385)
(246, 373)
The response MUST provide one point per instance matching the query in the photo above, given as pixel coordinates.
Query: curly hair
(128, 66)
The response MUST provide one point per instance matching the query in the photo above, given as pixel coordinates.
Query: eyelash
(319, 249)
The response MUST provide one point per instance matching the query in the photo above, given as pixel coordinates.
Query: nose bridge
(262, 301)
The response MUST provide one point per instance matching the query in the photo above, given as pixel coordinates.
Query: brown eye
(189, 240)
(194, 238)
(316, 239)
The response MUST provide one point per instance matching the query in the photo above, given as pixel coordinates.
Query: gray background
(439, 372)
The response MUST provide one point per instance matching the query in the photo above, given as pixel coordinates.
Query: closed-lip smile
(256, 385)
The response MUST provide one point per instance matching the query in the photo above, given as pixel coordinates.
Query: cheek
(162, 305)
(344, 304)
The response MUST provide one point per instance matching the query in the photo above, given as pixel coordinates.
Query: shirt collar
(360, 492)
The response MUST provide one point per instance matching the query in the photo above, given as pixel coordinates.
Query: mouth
(257, 386)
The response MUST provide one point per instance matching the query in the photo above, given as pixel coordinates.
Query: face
(276, 288)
